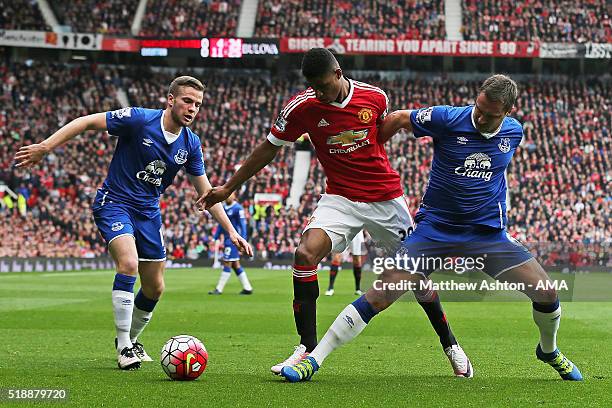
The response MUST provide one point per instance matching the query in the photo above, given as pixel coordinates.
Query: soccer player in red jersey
(342, 117)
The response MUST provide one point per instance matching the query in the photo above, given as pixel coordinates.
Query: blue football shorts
(434, 246)
(115, 220)
(230, 251)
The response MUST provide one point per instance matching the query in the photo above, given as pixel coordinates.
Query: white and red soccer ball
(184, 358)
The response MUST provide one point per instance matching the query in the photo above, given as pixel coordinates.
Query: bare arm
(393, 123)
(263, 154)
(29, 155)
(203, 186)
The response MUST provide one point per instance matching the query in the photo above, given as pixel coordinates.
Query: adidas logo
(322, 123)
(147, 142)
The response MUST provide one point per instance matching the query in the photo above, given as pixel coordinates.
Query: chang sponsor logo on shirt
(351, 139)
(476, 165)
(152, 173)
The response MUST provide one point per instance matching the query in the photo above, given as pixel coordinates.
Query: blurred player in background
(341, 117)
(463, 214)
(231, 255)
(153, 145)
(357, 253)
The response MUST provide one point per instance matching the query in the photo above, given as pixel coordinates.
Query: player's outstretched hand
(28, 156)
(242, 245)
(214, 196)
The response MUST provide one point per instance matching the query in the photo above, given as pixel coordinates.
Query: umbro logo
(349, 320)
(462, 140)
(147, 142)
(322, 123)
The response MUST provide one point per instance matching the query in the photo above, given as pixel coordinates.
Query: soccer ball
(184, 358)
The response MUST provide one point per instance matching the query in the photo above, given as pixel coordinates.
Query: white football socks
(223, 280)
(548, 323)
(346, 327)
(246, 285)
(140, 319)
(123, 305)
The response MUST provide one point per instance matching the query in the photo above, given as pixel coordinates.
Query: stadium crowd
(177, 18)
(351, 18)
(95, 16)
(21, 15)
(575, 21)
(559, 180)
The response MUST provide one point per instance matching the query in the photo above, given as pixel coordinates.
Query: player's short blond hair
(185, 80)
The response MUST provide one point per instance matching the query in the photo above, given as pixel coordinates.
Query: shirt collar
(348, 97)
(169, 136)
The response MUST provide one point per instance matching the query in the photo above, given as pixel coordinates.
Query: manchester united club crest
(365, 115)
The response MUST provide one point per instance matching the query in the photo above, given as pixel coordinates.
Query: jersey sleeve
(195, 162)
(429, 121)
(123, 122)
(288, 126)
(383, 108)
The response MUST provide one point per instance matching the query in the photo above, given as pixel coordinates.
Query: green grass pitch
(56, 331)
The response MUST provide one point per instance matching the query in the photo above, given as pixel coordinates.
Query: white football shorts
(358, 244)
(387, 222)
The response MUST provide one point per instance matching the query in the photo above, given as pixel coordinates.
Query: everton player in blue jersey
(463, 214)
(231, 256)
(153, 145)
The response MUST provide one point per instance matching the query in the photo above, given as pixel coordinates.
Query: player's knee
(304, 256)
(546, 295)
(127, 267)
(378, 299)
(154, 290)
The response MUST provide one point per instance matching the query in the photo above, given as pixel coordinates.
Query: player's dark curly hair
(318, 62)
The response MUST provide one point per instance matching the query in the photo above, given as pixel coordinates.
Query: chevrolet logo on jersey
(351, 139)
(348, 137)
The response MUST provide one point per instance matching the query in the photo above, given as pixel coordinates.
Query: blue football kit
(144, 164)
(235, 213)
(463, 211)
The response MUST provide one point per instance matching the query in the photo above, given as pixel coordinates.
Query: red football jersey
(345, 138)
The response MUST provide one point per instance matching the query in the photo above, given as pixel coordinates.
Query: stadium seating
(547, 20)
(21, 15)
(95, 16)
(527, 20)
(177, 18)
(35, 101)
(351, 18)
(558, 180)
